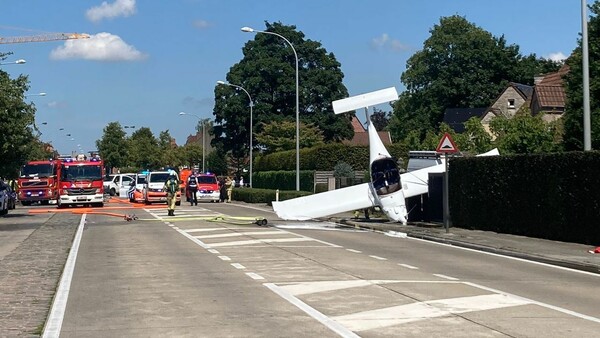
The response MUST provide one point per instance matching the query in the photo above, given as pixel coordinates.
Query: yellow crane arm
(43, 37)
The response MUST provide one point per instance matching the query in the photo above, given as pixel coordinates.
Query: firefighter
(171, 186)
(192, 187)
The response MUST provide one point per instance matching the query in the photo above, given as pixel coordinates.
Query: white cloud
(57, 105)
(558, 56)
(99, 47)
(384, 41)
(201, 24)
(118, 8)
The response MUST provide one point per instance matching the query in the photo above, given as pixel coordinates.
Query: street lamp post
(251, 129)
(251, 30)
(203, 134)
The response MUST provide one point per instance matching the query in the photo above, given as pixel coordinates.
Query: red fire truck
(81, 182)
(38, 181)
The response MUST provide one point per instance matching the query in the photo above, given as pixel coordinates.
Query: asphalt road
(209, 273)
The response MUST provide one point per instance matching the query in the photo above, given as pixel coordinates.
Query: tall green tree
(573, 117)
(17, 118)
(380, 119)
(281, 136)
(144, 151)
(112, 146)
(460, 65)
(524, 134)
(268, 73)
(170, 153)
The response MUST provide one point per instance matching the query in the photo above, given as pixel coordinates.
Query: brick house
(549, 95)
(508, 103)
(361, 137)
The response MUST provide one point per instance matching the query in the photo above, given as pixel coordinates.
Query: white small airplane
(388, 189)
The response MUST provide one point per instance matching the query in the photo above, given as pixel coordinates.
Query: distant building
(456, 117)
(549, 95)
(361, 137)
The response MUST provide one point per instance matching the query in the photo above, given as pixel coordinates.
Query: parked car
(4, 198)
(113, 183)
(153, 188)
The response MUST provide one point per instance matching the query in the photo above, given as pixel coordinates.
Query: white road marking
(204, 229)
(213, 251)
(402, 314)
(445, 277)
(548, 306)
(305, 288)
(259, 241)
(355, 251)
(57, 312)
(254, 275)
(331, 324)
(409, 266)
(236, 234)
(377, 257)
(225, 258)
(238, 266)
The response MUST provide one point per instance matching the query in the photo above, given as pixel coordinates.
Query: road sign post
(446, 146)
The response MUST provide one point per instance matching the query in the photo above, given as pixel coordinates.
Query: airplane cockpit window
(385, 176)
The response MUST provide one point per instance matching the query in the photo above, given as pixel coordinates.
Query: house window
(511, 103)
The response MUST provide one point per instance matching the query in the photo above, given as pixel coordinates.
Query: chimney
(537, 79)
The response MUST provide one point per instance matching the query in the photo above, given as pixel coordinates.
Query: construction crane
(44, 37)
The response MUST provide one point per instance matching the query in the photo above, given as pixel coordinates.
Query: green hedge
(552, 196)
(283, 180)
(253, 195)
(323, 157)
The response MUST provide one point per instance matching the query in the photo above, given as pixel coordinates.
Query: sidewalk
(569, 255)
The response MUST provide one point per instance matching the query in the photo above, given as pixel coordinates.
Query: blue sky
(148, 60)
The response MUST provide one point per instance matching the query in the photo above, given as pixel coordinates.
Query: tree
(191, 154)
(573, 116)
(460, 65)
(524, 134)
(268, 73)
(17, 138)
(380, 119)
(113, 146)
(475, 139)
(144, 151)
(171, 154)
(280, 136)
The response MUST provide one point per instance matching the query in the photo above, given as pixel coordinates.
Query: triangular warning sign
(446, 145)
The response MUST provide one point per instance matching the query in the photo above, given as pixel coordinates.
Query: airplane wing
(326, 203)
(416, 182)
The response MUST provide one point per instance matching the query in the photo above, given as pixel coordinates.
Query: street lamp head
(221, 82)
(182, 113)
(247, 29)
(20, 61)
(42, 94)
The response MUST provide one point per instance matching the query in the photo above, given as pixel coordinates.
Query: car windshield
(207, 179)
(81, 172)
(37, 170)
(141, 179)
(109, 178)
(158, 177)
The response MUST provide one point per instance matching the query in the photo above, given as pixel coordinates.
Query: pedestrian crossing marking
(402, 314)
(260, 241)
(236, 234)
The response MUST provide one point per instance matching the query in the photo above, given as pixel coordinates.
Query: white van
(114, 183)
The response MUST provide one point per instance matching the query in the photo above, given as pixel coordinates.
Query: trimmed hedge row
(323, 157)
(283, 180)
(253, 195)
(552, 196)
